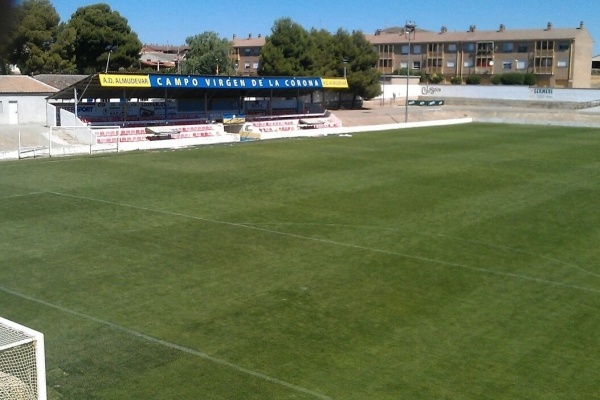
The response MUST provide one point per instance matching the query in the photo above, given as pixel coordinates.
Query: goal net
(22, 363)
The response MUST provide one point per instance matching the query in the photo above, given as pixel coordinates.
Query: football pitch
(458, 262)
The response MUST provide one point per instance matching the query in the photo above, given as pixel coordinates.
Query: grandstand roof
(118, 86)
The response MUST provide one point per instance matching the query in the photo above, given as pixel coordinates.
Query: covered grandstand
(150, 107)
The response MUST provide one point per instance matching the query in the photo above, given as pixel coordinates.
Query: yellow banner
(124, 80)
(335, 83)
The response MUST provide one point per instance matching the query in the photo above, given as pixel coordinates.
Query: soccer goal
(22, 363)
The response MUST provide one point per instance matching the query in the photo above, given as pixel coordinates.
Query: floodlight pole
(408, 29)
(110, 50)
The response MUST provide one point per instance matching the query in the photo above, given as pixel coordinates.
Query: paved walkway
(31, 136)
(374, 113)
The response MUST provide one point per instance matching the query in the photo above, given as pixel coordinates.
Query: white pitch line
(171, 345)
(333, 242)
(405, 232)
(20, 195)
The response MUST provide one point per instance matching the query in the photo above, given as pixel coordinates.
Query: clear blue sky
(172, 21)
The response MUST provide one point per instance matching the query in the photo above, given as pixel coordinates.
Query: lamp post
(408, 29)
(217, 66)
(110, 50)
(344, 61)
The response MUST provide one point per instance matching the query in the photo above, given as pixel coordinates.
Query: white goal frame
(21, 382)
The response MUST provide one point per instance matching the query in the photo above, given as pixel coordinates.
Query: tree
(362, 76)
(208, 55)
(288, 51)
(37, 30)
(100, 34)
(62, 53)
(7, 23)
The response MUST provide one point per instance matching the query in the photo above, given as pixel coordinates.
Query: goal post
(22, 362)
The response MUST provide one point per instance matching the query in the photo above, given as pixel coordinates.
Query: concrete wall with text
(523, 93)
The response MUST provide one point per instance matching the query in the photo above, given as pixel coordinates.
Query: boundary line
(168, 344)
(333, 242)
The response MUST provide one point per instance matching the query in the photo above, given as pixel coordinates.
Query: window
(386, 48)
(416, 65)
(506, 64)
(246, 65)
(435, 48)
(507, 47)
(434, 62)
(385, 63)
(520, 64)
(417, 49)
(470, 47)
(403, 64)
(562, 63)
(563, 46)
(451, 63)
(485, 47)
(404, 49)
(452, 48)
(522, 48)
(544, 45)
(1, 108)
(468, 63)
(255, 65)
(543, 62)
(247, 52)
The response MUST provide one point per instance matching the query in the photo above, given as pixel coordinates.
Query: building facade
(246, 53)
(557, 57)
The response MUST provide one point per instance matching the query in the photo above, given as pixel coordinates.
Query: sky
(171, 22)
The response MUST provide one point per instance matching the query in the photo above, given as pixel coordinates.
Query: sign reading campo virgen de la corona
(217, 82)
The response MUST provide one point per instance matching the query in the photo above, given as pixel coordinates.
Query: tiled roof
(476, 36)
(23, 84)
(59, 81)
(248, 42)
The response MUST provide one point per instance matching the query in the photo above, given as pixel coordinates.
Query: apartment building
(246, 52)
(558, 57)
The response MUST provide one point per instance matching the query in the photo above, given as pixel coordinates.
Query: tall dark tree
(327, 61)
(8, 11)
(36, 31)
(61, 58)
(208, 55)
(361, 57)
(288, 51)
(100, 34)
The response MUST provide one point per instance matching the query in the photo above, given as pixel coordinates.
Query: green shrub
(435, 78)
(529, 79)
(456, 80)
(512, 78)
(497, 79)
(473, 80)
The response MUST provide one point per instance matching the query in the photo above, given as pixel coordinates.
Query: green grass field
(455, 262)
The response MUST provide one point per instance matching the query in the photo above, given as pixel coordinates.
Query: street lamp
(408, 29)
(110, 50)
(217, 66)
(344, 61)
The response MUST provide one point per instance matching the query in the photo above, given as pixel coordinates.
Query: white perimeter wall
(509, 93)
(524, 93)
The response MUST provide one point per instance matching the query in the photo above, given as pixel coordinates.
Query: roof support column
(166, 106)
(206, 105)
